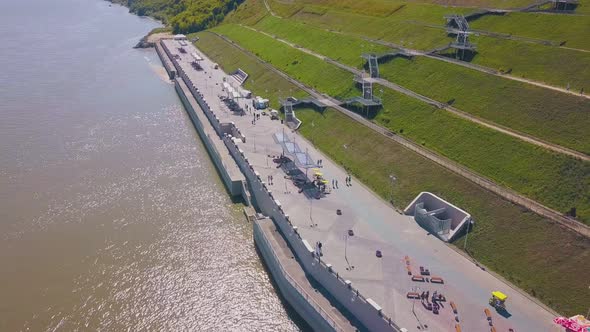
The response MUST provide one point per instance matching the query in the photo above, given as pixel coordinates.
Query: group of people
(270, 180)
(256, 117)
(348, 181)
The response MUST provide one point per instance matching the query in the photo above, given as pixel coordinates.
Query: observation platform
(375, 225)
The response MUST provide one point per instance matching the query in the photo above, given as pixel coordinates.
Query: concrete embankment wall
(235, 187)
(287, 288)
(188, 95)
(342, 290)
(166, 62)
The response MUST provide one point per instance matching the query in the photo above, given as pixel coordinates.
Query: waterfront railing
(318, 308)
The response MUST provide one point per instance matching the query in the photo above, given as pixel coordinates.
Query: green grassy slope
(523, 247)
(400, 32)
(404, 27)
(546, 114)
(500, 4)
(555, 180)
(568, 29)
(549, 115)
(306, 68)
(552, 65)
(342, 48)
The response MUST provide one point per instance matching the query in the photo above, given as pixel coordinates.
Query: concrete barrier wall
(343, 292)
(298, 299)
(165, 62)
(236, 188)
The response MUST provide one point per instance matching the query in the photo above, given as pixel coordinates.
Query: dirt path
(269, 9)
(453, 166)
(479, 68)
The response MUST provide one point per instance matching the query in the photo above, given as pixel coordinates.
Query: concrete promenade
(376, 226)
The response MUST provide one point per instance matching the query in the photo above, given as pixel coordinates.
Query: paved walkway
(296, 276)
(376, 226)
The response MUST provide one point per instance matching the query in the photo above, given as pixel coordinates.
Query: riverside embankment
(348, 262)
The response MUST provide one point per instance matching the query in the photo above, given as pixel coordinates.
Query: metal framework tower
(564, 4)
(458, 25)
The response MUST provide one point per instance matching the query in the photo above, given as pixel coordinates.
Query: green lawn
(552, 65)
(500, 4)
(342, 48)
(543, 113)
(546, 114)
(306, 68)
(555, 180)
(548, 64)
(533, 253)
(394, 29)
(572, 30)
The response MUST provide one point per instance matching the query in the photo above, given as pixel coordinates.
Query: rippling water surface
(112, 217)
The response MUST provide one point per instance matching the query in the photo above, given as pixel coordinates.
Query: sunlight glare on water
(112, 216)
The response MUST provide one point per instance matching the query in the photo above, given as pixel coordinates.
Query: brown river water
(112, 216)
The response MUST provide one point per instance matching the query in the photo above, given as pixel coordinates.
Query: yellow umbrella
(318, 173)
(325, 181)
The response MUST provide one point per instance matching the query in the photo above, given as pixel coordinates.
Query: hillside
(183, 16)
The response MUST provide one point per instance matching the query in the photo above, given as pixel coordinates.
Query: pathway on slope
(482, 69)
(462, 114)
(453, 166)
(270, 10)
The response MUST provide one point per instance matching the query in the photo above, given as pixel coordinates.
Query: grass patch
(543, 113)
(555, 180)
(395, 28)
(550, 115)
(534, 254)
(306, 68)
(571, 30)
(342, 48)
(533, 61)
(536, 62)
(500, 4)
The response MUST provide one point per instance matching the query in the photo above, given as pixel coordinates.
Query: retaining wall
(235, 187)
(342, 290)
(166, 62)
(289, 288)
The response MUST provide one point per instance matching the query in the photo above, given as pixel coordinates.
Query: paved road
(445, 162)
